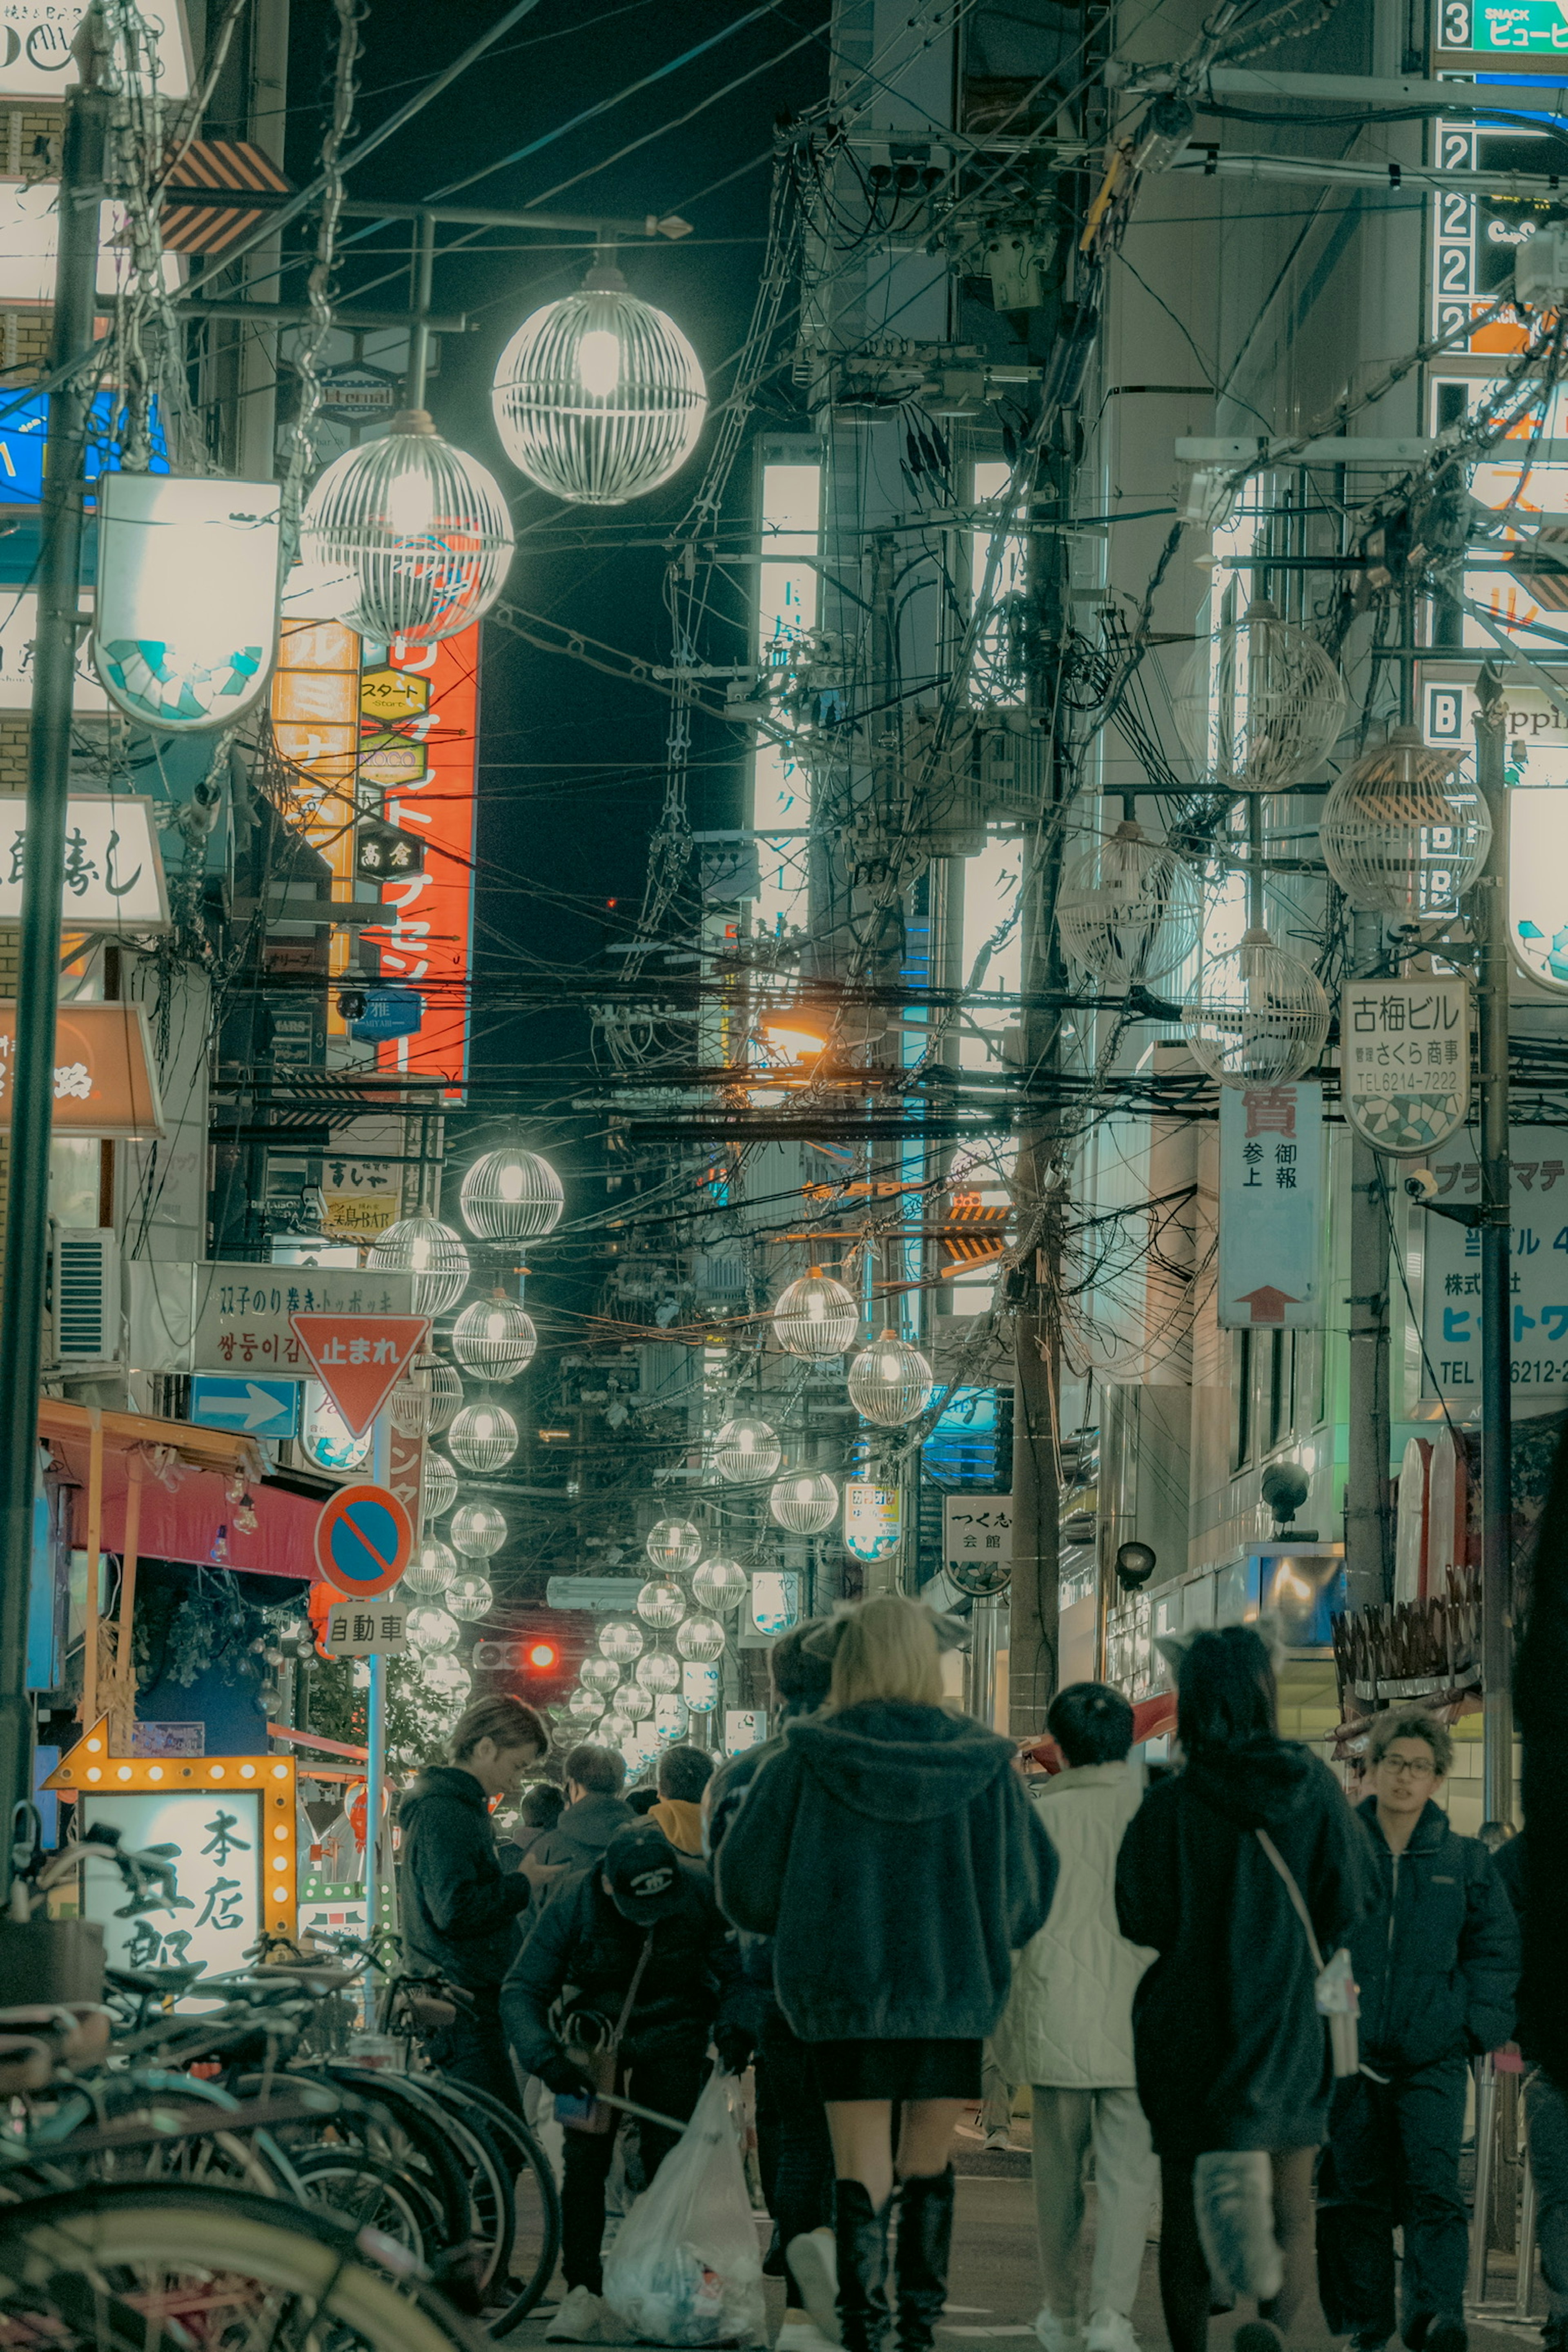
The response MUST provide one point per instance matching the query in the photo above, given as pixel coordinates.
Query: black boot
(862, 2235)
(925, 2236)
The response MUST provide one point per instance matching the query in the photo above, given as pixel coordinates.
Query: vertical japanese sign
(315, 728)
(1405, 1061)
(1538, 1272)
(977, 1533)
(871, 1520)
(1271, 1205)
(419, 720)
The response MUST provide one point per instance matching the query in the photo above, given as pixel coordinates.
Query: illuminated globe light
(721, 1583)
(613, 1730)
(443, 1389)
(483, 1437)
(601, 1675)
(746, 1452)
(587, 1704)
(1127, 908)
(661, 1603)
(431, 1629)
(599, 397)
(805, 1502)
(438, 1485)
(511, 1196)
(700, 1638)
(477, 1531)
(1256, 1016)
(657, 1671)
(815, 1317)
(1260, 704)
(674, 1544)
(635, 1701)
(494, 1339)
(469, 1595)
(433, 1254)
(699, 1688)
(448, 1677)
(431, 1569)
(411, 1405)
(620, 1640)
(423, 527)
(890, 1381)
(672, 1717)
(1403, 833)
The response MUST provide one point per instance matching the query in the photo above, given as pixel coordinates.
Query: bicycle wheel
(124, 2265)
(489, 2180)
(536, 2213)
(361, 2192)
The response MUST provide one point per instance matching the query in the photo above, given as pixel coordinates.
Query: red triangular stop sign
(360, 1359)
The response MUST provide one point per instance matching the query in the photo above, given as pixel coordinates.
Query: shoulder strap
(630, 2002)
(1297, 1901)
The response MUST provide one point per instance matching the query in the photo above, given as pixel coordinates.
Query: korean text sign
(1271, 1205)
(242, 1312)
(1538, 1270)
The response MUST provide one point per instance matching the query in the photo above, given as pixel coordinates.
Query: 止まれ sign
(1405, 1061)
(1270, 1182)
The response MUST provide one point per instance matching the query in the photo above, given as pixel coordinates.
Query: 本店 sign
(1271, 1205)
(871, 1520)
(1538, 1270)
(243, 1314)
(1405, 1061)
(113, 875)
(977, 1533)
(105, 1083)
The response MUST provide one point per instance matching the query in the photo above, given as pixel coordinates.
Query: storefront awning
(196, 1487)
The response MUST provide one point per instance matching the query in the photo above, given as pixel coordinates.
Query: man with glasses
(1437, 1964)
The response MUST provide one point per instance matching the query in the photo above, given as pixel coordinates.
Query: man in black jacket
(1436, 1964)
(596, 1810)
(634, 1944)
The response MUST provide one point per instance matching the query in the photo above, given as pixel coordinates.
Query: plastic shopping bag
(684, 2268)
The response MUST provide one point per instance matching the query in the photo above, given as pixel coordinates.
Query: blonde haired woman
(891, 1851)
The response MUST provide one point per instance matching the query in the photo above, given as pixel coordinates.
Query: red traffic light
(542, 1656)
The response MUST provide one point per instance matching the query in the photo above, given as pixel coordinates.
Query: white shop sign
(1538, 1271)
(217, 1911)
(1271, 1207)
(112, 878)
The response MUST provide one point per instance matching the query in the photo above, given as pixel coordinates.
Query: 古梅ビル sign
(1271, 1189)
(1404, 1062)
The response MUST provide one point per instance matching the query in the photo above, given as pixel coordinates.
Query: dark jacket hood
(1430, 1830)
(1256, 1785)
(447, 1784)
(898, 1762)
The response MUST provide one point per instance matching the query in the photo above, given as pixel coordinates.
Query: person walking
(891, 1852)
(1067, 2031)
(683, 1774)
(460, 1909)
(595, 1812)
(1230, 2051)
(1437, 1964)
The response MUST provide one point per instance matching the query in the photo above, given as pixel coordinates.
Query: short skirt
(898, 2070)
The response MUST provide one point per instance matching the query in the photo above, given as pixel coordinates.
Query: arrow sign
(364, 1537)
(360, 1359)
(1267, 1304)
(258, 1408)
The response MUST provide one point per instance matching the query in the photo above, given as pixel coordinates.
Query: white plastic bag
(685, 2269)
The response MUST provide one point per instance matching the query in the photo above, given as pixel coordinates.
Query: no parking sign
(364, 1537)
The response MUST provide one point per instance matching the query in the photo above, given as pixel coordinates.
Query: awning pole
(94, 1556)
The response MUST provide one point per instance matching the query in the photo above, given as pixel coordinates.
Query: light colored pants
(1125, 2173)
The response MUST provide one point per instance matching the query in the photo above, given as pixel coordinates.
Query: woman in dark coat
(1230, 2050)
(891, 1851)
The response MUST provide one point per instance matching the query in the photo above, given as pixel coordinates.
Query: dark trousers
(671, 2084)
(473, 2050)
(1395, 2149)
(1186, 2291)
(1546, 2121)
(795, 2155)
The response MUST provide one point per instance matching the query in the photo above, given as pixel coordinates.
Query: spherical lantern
(587, 1704)
(815, 1317)
(511, 1196)
(804, 1502)
(477, 1531)
(423, 528)
(599, 397)
(721, 1583)
(661, 1602)
(443, 1389)
(431, 1569)
(1258, 1017)
(483, 1437)
(433, 1254)
(674, 1544)
(431, 1629)
(601, 1675)
(1402, 833)
(699, 1637)
(493, 1338)
(657, 1671)
(612, 1729)
(469, 1595)
(446, 1677)
(1260, 704)
(439, 1485)
(1127, 908)
(620, 1640)
(890, 1382)
(746, 1452)
(635, 1701)
(672, 1717)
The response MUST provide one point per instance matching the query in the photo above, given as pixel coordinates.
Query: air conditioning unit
(86, 1294)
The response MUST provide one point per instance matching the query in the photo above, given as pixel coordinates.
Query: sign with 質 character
(1270, 1206)
(1452, 1305)
(977, 1540)
(1404, 1062)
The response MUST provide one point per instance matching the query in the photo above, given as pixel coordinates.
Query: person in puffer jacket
(1067, 2031)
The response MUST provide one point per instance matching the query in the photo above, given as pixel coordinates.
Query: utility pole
(1368, 1549)
(82, 194)
(1033, 1636)
(1497, 1402)
(266, 126)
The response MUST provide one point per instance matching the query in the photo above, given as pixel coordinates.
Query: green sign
(1522, 28)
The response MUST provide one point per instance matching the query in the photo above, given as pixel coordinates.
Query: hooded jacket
(891, 1852)
(1231, 2051)
(1436, 1963)
(581, 1834)
(460, 1908)
(1068, 2023)
(681, 1823)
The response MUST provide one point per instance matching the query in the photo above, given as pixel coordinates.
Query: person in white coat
(1067, 2031)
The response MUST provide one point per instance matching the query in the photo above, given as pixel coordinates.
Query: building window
(1241, 1392)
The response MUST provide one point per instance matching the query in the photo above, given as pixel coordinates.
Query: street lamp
(511, 1196)
(815, 1315)
(434, 1255)
(494, 1339)
(805, 1502)
(1128, 907)
(657, 1670)
(1257, 1016)
(440, 1485)
(469, 1595)
(719, 1583)
(442, 1387)
(432, 1568)
(674, 1545)
(661, 1603)
(483, 1437)
(620, 1640)
(890, 1382)
(746, 1452)
(699, 1638)
(1402, 833)
(477, 1531)
(431, 1629)
(1259, 704)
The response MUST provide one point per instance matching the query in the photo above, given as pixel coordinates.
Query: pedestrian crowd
(881, 1919)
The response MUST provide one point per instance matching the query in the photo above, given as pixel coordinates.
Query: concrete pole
(1497, 1305)
(1369, 1550)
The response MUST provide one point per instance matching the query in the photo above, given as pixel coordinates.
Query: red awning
(185, 1511)
(1151, 1719)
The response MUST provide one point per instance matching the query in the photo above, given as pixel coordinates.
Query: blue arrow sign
(251, 1408)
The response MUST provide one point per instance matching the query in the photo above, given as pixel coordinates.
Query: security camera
(1421, 1185)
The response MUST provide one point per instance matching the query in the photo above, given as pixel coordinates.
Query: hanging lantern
(815, 1317)
(674, 1544)
(433, 1254)
(672, 1717)
(721, 1583)
(1258, 1017)
(700, 1638)
(411, 1407)
(469, 1595)
(431, 1629)
(635, 1701)
(601, 1675)
(431, 1569)
(1403, 833)
(620, 1640)
(424, 530)
(890, 1382)
(185, 625)
(1127, 908)
(477, 1531)
(511, 1196)
(657, 1671)
(746, 1452)
(612, 1729)
(447, 1677)
(1260, 705)
(599, 397)
(439, 1486)
(443, 1391)
(493, 1338)
(661, 1602)
(587, 1704)
(805, 1502)
(483, 1437)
